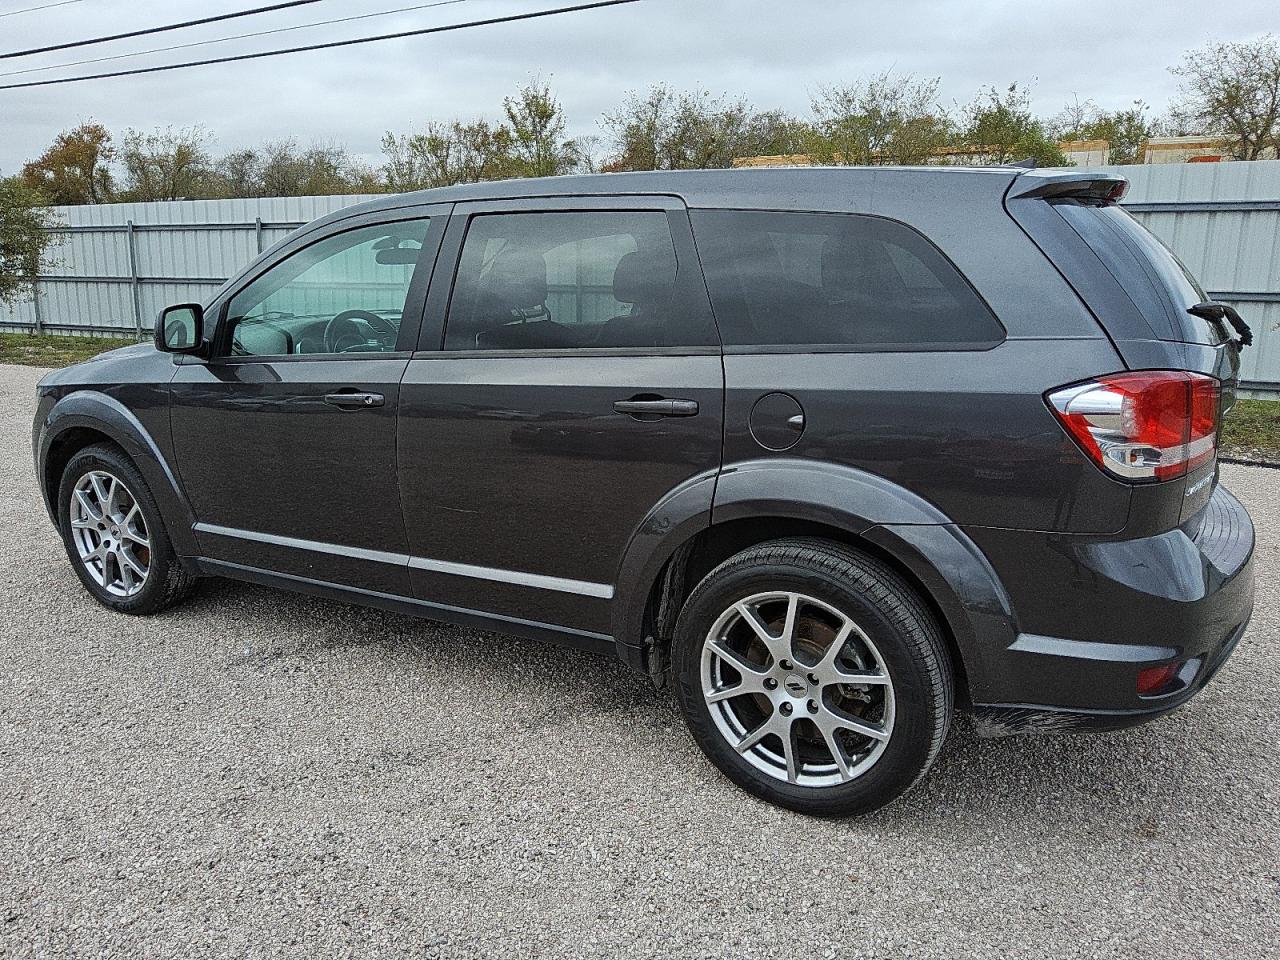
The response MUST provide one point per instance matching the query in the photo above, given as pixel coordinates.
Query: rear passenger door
(566, 382)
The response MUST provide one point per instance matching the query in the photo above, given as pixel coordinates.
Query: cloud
(776, 52)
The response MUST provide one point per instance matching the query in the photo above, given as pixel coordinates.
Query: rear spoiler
(1063, 185)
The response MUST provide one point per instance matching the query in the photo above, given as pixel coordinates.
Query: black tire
(905, 633)
(167, 581)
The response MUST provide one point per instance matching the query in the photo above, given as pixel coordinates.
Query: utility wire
(166, 27)
(43, 6)
(512, 18)
(238, 36)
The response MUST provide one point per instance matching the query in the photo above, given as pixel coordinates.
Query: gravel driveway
(263, 774)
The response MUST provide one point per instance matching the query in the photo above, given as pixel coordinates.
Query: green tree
(884, 119)
(24, 237)
(536, 123)
(668, 129)
(1124, 130)
(168, 164)
(75, 168)
(1000, 128)
(448, 153)
(1232, 90)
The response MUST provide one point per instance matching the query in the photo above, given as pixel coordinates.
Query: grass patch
(1253, 428)
(54, 350)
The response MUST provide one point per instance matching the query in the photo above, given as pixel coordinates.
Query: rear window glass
(1154, 278)
(835, 280)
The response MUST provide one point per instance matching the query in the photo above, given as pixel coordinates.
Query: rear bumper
(1092, 613)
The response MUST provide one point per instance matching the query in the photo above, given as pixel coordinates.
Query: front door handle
(657, 408)
(354, 400)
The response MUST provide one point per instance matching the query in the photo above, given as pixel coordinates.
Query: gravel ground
(262, 774)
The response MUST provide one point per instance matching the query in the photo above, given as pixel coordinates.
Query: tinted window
(552, 281)
(1155, 280)
(345, 294)
(834, 280)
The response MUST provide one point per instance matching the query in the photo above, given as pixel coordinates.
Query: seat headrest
(638, 277)
(519, 278)
(856, 266)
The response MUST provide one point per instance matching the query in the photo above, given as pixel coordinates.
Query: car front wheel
(114, 535)
(813, 676)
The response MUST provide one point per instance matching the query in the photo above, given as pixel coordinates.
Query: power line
(325, 46)
(43, 6)
(166, 27)
(238, 36)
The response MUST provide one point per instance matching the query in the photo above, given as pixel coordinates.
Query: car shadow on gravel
(1030, 779)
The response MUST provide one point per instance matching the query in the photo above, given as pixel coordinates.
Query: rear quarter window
(1157, 282)
(835, 281)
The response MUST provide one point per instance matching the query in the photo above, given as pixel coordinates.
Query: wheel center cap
(795, 685)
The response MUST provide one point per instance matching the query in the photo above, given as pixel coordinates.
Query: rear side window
(556, 281)
(835, 281)
(1148, 271)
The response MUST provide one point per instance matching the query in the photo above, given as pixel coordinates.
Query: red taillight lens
(1145, 425)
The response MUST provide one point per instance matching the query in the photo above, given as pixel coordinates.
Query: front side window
(344, 294)
(836, 281)
(555, 281)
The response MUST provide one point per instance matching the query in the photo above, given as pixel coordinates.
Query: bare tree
(883, 119)
(447, 153)
(667, 129)
(167, 164)
(1124, 130)
(1232, 90)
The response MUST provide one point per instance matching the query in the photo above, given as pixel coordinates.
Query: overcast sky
(774, 51)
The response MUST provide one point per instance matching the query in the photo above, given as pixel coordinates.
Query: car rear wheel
(114, 535)
(813, 676)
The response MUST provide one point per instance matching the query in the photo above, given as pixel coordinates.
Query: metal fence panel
(1221, 219)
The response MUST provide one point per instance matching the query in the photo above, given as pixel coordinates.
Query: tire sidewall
(910, 745)
(162, 556)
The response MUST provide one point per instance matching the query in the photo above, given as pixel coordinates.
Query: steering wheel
(342, 333)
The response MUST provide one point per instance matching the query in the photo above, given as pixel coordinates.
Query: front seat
(512, 312)
(644, 282)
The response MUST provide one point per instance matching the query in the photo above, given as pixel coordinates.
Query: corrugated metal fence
(120, 263)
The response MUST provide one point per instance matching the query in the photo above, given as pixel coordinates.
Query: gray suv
(835, 451)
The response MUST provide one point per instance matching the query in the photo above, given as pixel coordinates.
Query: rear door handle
(354, 400)
(657, 408)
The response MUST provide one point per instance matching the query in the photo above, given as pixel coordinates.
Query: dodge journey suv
(838, 452)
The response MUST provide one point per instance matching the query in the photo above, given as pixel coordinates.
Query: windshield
(1156, 280)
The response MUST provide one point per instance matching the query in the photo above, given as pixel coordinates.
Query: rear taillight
(1145, 425)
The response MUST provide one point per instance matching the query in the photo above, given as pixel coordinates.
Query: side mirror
(178, 329)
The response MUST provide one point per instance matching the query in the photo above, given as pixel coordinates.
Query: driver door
(285, 438)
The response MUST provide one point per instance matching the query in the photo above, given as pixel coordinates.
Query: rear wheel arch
(701, 553)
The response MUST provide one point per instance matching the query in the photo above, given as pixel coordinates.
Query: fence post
(35, 302)
(257, 233)
(133, 280)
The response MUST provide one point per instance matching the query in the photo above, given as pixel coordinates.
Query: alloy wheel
(797, 689)
(110, 533)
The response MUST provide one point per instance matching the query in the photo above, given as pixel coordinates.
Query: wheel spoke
(131, 562)
(84, 524)
(755, 736)
(789, 752)
(837, 751)
(873, 730)
(86, 504)
(126, 572)
(99, 491)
